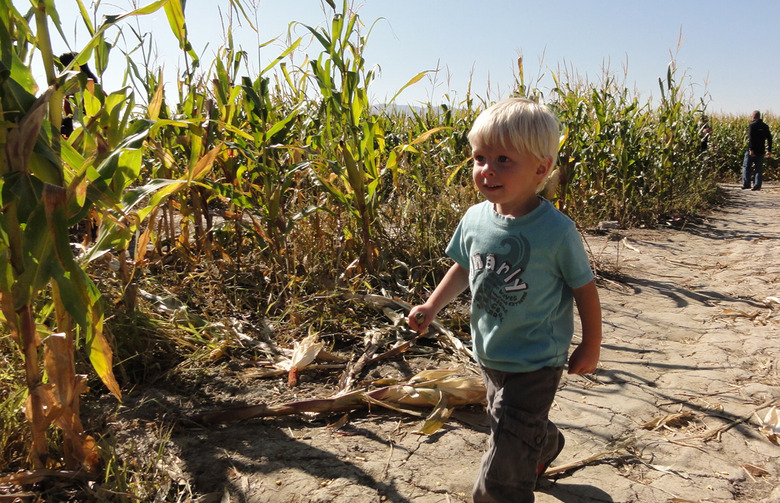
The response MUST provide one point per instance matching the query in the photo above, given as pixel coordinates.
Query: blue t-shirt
(521, 273)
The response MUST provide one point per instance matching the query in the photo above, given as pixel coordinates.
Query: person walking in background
(705, 133)
(759, 145)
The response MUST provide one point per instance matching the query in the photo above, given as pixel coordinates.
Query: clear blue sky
(727, 50)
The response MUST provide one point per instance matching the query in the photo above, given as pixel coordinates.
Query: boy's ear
(543, 168)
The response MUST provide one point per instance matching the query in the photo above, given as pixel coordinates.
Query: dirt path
(690, 342)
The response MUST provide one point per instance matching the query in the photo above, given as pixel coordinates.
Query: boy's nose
(486, 169)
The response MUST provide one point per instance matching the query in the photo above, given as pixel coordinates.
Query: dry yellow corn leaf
(463, 390)
(60, 399)
(550, 185)
(436, 419)
(339, 423)
(755, 471)
(678, 420)
(738, 313)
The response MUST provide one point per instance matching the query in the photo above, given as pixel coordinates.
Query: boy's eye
(479, 159)
(503, 158)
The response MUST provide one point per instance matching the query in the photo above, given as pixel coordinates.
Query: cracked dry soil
(689, 367)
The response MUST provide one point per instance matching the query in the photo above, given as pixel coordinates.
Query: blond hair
(518, 124)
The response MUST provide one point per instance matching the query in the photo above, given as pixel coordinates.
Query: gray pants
(521, 436)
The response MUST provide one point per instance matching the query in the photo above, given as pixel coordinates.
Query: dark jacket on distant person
(758, 134)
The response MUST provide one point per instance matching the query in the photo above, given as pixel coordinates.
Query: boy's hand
(584, 359)
(420, 317)
(454, 283)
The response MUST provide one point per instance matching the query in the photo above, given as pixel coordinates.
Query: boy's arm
(585, 357)
(454, 283)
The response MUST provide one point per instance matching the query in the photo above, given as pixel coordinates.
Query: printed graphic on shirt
(497, 277)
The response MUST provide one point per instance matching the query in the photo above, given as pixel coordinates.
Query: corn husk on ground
(444, 390)
(770, 425)
(304, 353)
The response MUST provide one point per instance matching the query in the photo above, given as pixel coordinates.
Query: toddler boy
(526, 267)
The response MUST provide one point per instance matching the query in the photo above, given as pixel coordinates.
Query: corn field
(282, 187)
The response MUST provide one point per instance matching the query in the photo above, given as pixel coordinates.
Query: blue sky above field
(725, 51)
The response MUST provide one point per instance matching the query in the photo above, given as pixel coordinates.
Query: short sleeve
(456, 249)
(573, 260)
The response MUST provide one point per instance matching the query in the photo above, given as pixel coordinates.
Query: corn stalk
(624, 160)
(49, 183)
(441, 389)
(356, 149)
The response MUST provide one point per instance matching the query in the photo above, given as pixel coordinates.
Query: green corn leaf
(22, 193)
(56, 229)
(51, 11)
(417, 78)
(321, 37)
(136, 195)
(71, 156)
(159, 124)
(44, 164)
(175, 14)
(22, 74)
(280, 125)
(6, 44)
(343, 199)
(174, 10)
(147, 9)
(102, 50)
(294, 46)
(112, 234)
(85, 18)
(36, 258)
(129, 165)
(201, 169)
(111, 20)
(101, 188)
(92, 103)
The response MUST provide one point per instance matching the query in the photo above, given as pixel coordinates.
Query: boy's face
(508, 178)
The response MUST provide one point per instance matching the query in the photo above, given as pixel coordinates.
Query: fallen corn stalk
(607, 454)
(716, 433)
(441, 333)
(568, 467)
(354, 368)
(441, 389)
(28, 477)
